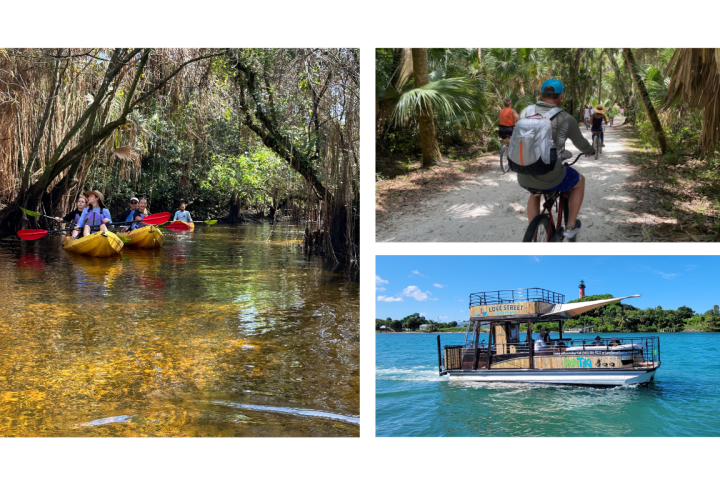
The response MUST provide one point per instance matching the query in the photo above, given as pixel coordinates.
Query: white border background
(368, 25)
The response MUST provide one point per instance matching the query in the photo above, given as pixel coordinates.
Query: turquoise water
(412, 400)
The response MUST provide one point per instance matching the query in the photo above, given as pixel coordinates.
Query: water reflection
(165, 340)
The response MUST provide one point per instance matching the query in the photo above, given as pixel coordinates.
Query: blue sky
(439, 286)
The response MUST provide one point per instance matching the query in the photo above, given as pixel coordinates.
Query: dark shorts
(505, 132)
(572, 177)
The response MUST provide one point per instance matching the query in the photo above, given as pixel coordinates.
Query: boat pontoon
(508, 314)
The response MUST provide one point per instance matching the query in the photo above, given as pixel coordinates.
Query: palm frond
(448, 97)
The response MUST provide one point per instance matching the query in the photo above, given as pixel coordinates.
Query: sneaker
(570, 232)
(603, 145)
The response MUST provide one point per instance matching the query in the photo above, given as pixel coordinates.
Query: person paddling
(182, 215)
(94, 215)
(74, 216)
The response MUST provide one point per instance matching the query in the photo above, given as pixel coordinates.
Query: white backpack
(531, 148)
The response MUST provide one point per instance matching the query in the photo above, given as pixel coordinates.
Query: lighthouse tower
(582, 289)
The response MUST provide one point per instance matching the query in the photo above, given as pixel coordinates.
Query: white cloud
(439, 285)
(417, 272)
(379, 281)
(383, 298)
(442, 318)
(666, 275)
(422, 314)
(414, 292)
(535, 259)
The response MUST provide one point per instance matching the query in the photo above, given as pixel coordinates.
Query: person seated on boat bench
(74, 216)
(127, 215)
(540, 345)
(613, 342)
(95, 215)
(182, 215)
(598, 341)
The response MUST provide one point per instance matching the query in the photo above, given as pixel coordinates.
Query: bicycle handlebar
(576, 159)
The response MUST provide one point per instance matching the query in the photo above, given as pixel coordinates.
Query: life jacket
(76, 219)
(94, 218)
(531, 149)
(136, 225)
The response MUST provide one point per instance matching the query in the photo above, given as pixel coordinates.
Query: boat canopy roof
(567, 310)
(529, 304)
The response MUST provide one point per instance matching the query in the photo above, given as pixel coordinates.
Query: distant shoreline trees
(613, 318)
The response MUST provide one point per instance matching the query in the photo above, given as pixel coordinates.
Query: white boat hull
(584, 377)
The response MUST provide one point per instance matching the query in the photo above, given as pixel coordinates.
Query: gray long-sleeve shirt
(565, 127)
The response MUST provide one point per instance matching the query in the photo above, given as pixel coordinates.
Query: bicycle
(504, 166)
(597, 142)
(542, 228)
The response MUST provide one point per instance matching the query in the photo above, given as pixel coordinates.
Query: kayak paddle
(35, 234)
(154, 219)
(34, 214)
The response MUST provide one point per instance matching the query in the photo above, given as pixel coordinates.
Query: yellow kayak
(145, 237)
(180, 222)
(98, 244)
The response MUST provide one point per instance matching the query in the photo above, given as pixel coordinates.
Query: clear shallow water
(227, 331)
(412, 400)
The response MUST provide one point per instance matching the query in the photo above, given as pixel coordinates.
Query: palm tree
(647, 103)
(695, 83)
(428, 138)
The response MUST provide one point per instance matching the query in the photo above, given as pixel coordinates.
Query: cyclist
(597, 120)
(562, 178)
(508, 117)
(586, 116)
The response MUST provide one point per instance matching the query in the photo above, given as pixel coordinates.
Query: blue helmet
(554, 83)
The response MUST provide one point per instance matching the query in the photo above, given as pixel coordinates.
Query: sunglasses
(134, 202)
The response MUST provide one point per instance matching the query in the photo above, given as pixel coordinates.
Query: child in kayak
(95, 215)
(182, 215)
(74, 216)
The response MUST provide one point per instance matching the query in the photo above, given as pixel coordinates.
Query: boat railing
(634, 352)
(514, 296)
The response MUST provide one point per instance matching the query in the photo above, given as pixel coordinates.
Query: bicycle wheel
(504, 165)
(596, 144)
(540, 230)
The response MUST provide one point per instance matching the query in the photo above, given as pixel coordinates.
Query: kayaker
(94, 215)
(182, 215)
(141, 212)
(127, 215)
(74, 216)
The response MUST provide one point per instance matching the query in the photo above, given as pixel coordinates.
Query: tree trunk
(600, 79)
(649, 108)
(428, 138)
(627, 98)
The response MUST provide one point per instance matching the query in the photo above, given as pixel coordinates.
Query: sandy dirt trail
(490, 207)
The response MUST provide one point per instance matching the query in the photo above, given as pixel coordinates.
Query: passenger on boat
(182, 215)
(614, 342)
(94, 215)
(127, 215)
(540, 344)
(598, 341)
(74, 216)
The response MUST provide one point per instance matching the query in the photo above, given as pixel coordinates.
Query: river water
(224, 331)
(412, 400)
